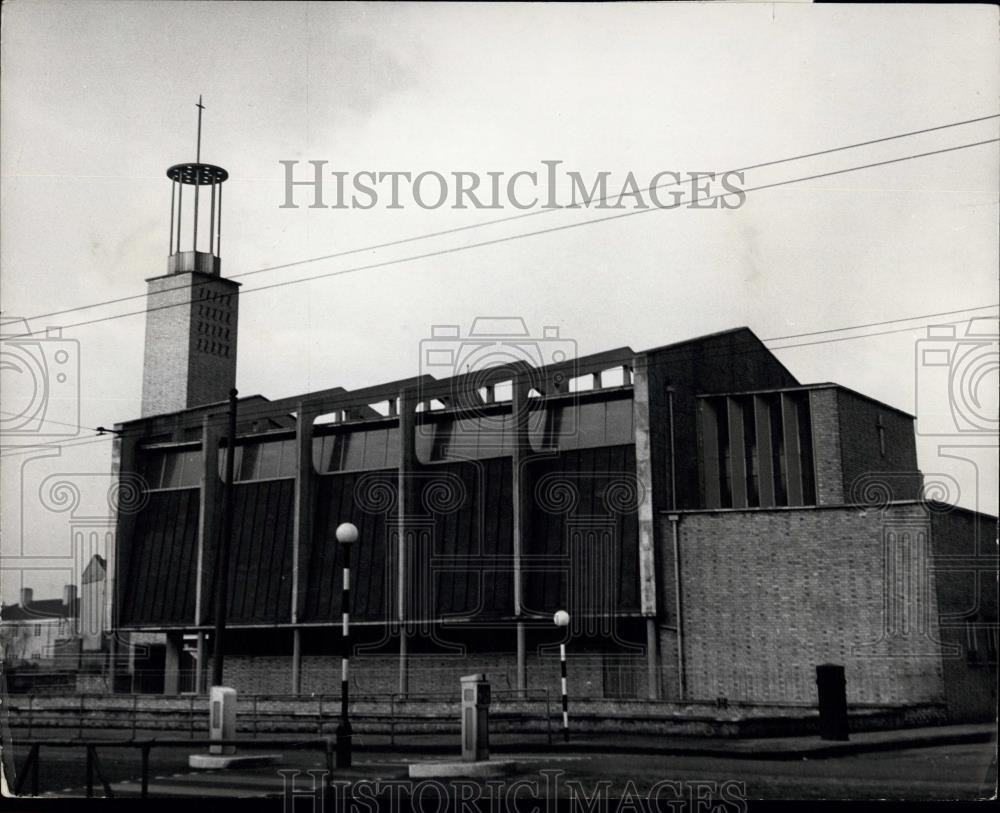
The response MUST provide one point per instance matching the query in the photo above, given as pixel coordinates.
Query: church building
(715, 528)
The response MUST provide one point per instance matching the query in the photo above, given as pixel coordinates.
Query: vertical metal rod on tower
(194, 242)
(218, 236)
(211, 223)
(197, 179)
(222, 576)
(180, 208)
(173, 196)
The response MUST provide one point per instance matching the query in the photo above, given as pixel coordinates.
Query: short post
(475, 718)
(329, 746)
(831, 686)
(561, 619)
(347, 534)
(144, 792)
(222, 719)
(90, 772)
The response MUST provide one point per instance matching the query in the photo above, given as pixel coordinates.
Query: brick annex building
(714, 527)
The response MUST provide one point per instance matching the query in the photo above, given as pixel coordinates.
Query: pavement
(910, 761)
(774, 748)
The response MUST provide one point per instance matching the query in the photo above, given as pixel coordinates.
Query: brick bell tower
(192, 310)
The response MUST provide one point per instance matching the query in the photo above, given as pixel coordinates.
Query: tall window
(750, 451)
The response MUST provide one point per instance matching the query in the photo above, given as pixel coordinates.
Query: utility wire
(862, 336)
(673, 354)
(68, 443)
(510, 218)
(265, 410)
(563, 227)
(53, 420)
(878, 324)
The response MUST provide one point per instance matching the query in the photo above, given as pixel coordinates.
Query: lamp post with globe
(561, 619)
(347, 535)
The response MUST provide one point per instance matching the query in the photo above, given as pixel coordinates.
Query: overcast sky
(98, 100)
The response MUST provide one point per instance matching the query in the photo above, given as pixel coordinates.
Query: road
(944, 772)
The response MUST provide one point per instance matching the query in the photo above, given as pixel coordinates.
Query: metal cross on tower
(200, 107)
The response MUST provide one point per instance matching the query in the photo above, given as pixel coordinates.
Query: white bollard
(222, 718)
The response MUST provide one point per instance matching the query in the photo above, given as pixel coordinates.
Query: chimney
(69, 599)
(27, 595)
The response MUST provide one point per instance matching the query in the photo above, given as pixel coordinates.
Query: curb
(759, 753)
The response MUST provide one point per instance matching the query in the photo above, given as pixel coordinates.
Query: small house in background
(37, 631)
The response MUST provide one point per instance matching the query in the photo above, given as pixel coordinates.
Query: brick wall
(590, 675)
(190, 352)
(826, 446)
(165, 363)
(965, 566)
(769, 594)
(871, 476)
(213, 321)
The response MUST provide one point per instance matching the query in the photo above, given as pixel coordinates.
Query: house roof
(95, 570)
(48, 609)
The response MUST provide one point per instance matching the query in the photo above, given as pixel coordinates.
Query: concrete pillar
(824, 411)
(302, 528)
(520, 405)
(131, 664)
(201, 673)
(296, 661)
(172, 662)
(124, 463)
(407, 509)
(112, 662)
(646, 522)
(208, 519)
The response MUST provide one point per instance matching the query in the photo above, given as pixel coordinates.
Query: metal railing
(30, 768)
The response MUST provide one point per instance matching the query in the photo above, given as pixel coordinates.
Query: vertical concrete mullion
(406, 502)
(765, 451)
(208, 532)
(171, 664)
(737, 453)
(124, 463)
(710, 440)
(208, 527)
(793, 460)
(302, 528)
(645, 516)
(519, 495)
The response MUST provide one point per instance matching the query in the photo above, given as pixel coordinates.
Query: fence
(30, 769)
(387, 714)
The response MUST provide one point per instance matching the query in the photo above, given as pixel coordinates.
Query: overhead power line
(879, 324)
(67, 443)
(264, 410)
(537, 232)
(523, 215)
